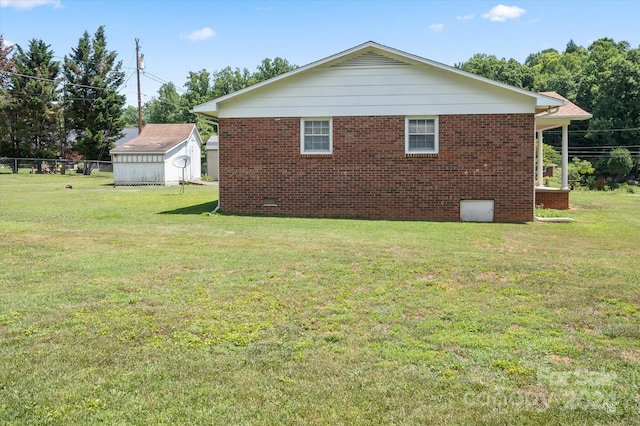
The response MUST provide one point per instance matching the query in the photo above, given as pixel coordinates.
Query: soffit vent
(370, 59)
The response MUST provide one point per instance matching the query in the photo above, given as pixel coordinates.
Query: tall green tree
(93, 106)
(599, 55)
(269, 68)
(616, 101)
(130, 116)
(166, 108)
(229, 80)
(505, 71)
(558, 72)
(198, 90)
(33, 112)
(561, 73)
(6, 68)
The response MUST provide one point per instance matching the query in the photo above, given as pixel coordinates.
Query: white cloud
(436, 27)
(7, 43)
(466, 17)
(29, 4)
(502, 13)
(201, 34)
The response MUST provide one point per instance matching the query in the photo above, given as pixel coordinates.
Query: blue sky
(190, 35)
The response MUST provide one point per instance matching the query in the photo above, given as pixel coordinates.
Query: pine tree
(93, 106)
(33, 111)
(6, 67)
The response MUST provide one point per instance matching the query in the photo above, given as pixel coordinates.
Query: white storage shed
(148, 158)
(213, 158)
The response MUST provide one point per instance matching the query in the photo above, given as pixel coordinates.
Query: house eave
(208, 110)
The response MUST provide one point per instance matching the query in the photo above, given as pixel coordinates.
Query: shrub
(581, 171)
(550, 155)
(619, 163)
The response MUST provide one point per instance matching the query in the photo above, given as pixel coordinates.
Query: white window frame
(436, 146)
(302, 135)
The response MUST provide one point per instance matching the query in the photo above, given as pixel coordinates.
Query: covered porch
(560, 117)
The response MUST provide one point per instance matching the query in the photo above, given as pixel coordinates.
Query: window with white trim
(316, 136)
(421, 135)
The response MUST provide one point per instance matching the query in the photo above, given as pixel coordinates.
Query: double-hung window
(421, 135)
(316, 136)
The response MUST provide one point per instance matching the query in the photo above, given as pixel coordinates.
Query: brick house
(374, 132)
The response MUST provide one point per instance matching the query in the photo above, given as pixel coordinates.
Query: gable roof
(372, 52)
(157, 139)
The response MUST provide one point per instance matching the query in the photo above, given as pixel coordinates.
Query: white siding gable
(374, 83)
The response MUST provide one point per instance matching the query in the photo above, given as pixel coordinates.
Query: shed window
(421, 135)
(316, 136)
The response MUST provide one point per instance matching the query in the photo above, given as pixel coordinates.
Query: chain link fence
(52, 166)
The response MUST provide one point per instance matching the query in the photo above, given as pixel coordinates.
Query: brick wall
(552, 198)
(370, 176)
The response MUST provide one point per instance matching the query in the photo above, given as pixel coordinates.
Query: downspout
(214, 211)
(209, 121)
(214, 123)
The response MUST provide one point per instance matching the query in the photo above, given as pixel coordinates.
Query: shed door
(476, 210)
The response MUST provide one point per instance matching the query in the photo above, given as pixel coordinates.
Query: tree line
(44, 101)
(603, 79)
(50, 107)
(169, 106)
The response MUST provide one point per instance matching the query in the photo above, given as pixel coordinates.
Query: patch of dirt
(558, 358)
(632, 355)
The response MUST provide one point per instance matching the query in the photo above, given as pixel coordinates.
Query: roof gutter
(548, 111)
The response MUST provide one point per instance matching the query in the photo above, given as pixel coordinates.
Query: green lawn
(131, 305)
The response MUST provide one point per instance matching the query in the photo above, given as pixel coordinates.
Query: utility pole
(139, 66)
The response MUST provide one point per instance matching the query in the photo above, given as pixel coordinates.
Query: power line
(128, 78)
(160, 80)
(84, 86)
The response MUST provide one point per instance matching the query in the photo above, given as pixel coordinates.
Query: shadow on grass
(197, 209)
(364, 218)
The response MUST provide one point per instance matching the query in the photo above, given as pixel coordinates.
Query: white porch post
(540, 180)
(565, 157)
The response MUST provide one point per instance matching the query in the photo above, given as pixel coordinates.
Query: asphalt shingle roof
(569, 110)
(156, 138)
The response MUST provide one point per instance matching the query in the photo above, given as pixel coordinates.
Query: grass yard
(131, 305)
